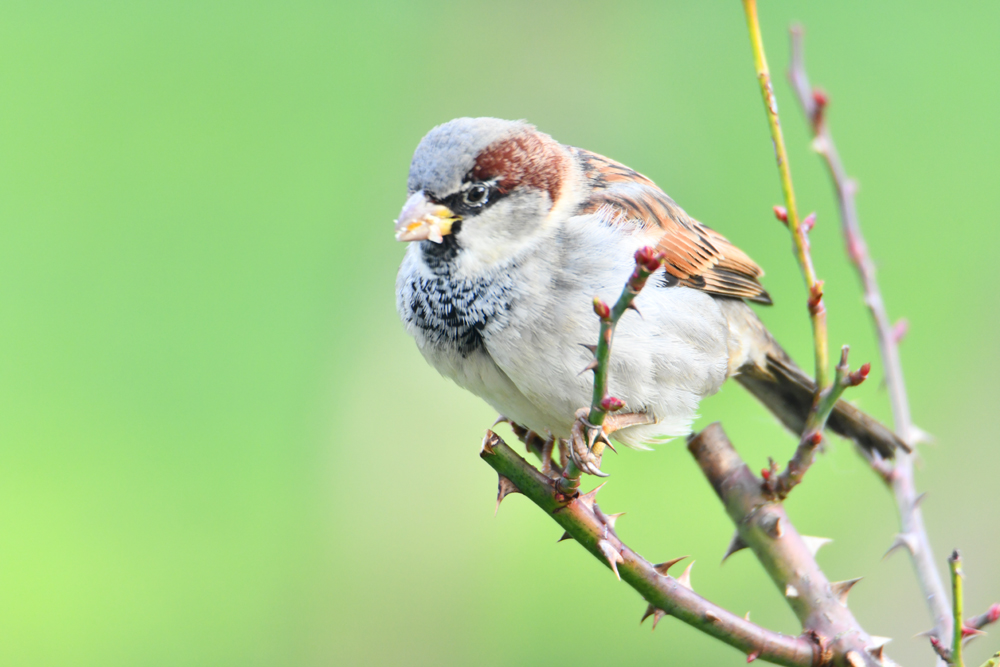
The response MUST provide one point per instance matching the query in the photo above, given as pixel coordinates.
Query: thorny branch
(582, 519)
(647, 260)
(898, 476)
(789, 558)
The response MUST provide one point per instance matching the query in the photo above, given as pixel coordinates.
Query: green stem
(646, 262)
(955, 565)
(817, 310)
(581, 518)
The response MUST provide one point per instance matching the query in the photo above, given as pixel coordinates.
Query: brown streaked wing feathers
(698, 256)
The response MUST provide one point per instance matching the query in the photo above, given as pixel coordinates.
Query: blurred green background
(218, 446)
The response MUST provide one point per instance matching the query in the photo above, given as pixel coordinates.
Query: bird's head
(482, 184)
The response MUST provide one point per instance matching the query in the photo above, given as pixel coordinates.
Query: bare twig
(762, 525)
(913, 534)
(583, 521)
(790, 214)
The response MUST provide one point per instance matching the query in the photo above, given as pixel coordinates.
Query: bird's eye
(476, 195)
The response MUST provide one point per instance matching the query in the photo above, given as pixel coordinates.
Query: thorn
(650, 610)
(920, 436)
(685, 579)
(746, 616)
(919, 499)
(753, 656)
(663, 568)
(607, 443)
(899, 330)
(588, 498)
(505, 487)
(877, 652)
(712, 616)
(565, 536)
(657, 615)
(970, 633)
(807, 224)
(612, 555)
(489, 440)
(781, 213)
(791, 591)
(591, 348)
(631, 306)
(840, 589)
(500, 420)
(611, 404)
(589, 367)
(610, 519)
(854, 659)
(601, 308)
(735, 545)
(901, 540)
(771, 523)
(878, 643)
(814, 544)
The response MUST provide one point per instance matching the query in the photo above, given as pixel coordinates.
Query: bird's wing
(696, 255)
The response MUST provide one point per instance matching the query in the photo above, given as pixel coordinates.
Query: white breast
(528, 366)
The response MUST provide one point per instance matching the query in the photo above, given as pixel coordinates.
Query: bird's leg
(585, 435)
(536, 444)
(547, 448)
(563, 453)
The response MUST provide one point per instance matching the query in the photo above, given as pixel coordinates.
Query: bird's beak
(421, 219)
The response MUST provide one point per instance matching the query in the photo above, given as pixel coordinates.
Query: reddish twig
(781, 485)
(583, 520)
(899, 476)
(992, 615)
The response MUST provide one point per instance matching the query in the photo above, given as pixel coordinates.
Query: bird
(511, 236)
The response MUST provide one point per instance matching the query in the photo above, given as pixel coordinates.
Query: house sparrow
(512, 235)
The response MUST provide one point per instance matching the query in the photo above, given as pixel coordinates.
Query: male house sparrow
(513, 234)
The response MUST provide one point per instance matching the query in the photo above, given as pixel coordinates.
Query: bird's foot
(541, 446)
(587, 441)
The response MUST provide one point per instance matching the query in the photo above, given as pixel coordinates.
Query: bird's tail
(763, 367)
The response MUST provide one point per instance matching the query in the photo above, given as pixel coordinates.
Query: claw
(581, 447)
